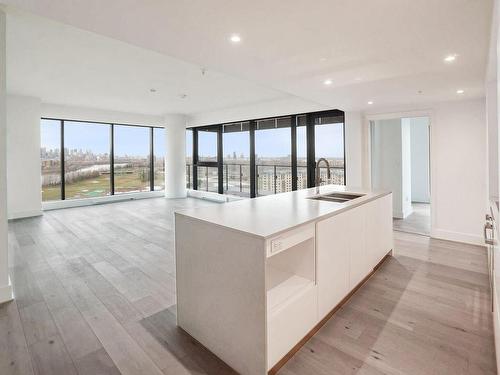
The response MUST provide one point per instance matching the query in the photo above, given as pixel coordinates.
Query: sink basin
(337, 197)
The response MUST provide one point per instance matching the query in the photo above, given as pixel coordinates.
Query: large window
(189, 159)
(273, 150)
(87, 164)
(159, 158)
(208, 179)
(301, 153)
(99, 159)
(132, 159)
(50, 154)
(207, 145)
(266, 156)
(329, 144)
(207, 159)
(236, 146)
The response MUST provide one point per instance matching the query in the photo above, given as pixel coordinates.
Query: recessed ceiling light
(328, 82)
(370, 102)
(460, 92)
(235, 38)
(450, 58)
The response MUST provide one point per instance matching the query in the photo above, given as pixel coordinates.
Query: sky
(129, 140)
(274, 142)
(134, 141)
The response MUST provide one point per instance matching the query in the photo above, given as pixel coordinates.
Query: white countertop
(270, 215)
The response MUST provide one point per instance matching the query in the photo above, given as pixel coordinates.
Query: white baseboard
(457, 237)
(402, 214)
(100, 200)
(24, 214)
(209, 196)
(6, 293)
(215, 197)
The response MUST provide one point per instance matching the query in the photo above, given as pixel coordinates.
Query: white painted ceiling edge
(66, 112)
(391, 54)
(69, 66)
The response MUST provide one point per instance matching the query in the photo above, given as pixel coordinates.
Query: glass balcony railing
(270, 179)
(237, 179)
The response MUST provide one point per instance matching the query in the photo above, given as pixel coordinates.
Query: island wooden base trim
(317, 327)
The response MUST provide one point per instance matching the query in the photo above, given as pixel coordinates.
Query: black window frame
(111, 125)
(310, 117)
(242, 127)
(210, 164)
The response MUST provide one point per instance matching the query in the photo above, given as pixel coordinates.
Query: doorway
(400, 162)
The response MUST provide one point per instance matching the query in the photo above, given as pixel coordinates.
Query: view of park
(87, 162)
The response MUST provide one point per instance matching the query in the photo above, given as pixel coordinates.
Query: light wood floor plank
(14, 356)
(95, 294)
(50, 357)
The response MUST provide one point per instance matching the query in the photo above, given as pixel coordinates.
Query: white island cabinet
(256, 277)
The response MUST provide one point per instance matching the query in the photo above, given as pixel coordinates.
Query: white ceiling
(288, 48)
(65, 65)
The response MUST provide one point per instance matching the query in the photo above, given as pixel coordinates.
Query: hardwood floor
(419, 221)
(95, 294)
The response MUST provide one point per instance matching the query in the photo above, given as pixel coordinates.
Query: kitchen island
(257, 277)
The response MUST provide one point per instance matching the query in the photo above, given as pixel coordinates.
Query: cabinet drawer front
(288, 326)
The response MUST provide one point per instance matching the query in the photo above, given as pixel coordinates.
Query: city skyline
(329, 142)
(132, 140)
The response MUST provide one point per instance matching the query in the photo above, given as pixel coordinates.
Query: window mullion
(151, 161)
(63, 172)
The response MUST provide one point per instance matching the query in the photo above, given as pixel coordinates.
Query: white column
(5, 286)
(175, 156)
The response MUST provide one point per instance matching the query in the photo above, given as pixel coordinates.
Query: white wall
(492, 138)
(98, 115)
(420, 188)
(5, 285)
(390, 163)
(354, 143)
(23, 156)
(458, 165)
(406, 167)
(459, 170)
(492, 87)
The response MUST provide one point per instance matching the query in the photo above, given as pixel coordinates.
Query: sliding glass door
(207, 159)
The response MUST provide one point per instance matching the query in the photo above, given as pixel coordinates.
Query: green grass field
(98, 187)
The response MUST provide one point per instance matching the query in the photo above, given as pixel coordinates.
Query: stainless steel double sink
(337, 197)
